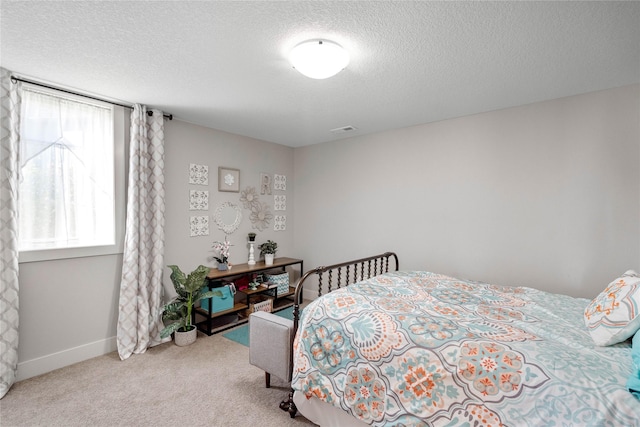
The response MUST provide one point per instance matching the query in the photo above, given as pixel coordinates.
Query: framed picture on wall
(228, 179)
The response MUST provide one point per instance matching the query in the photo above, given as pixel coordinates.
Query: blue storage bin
(225, 302)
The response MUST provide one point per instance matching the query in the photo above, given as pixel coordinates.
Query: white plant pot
(185, 338)
(268, 259)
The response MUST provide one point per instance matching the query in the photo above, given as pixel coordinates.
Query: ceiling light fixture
(319, 59)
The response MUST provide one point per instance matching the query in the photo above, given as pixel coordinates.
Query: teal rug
(241, 333)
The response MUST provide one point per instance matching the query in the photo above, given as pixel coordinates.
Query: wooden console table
(214, 322)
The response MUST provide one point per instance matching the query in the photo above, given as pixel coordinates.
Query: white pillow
(614, 315)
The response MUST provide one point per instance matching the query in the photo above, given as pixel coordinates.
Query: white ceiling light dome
(319, 59)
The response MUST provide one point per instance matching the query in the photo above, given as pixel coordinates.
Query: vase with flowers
(222, 248)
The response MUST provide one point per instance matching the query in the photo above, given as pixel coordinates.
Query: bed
(415, 348)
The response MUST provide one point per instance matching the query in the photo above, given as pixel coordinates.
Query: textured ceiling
(223, 64)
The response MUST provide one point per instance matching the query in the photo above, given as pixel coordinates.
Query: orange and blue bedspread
(418, 348)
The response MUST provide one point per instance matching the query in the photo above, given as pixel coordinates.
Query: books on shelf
(269, 285)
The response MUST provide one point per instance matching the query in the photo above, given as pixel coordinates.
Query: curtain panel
(9, 170)
(140, 306)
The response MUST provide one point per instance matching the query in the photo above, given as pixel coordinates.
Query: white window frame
(119, 135)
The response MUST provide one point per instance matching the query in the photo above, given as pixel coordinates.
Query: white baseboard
(44, 364)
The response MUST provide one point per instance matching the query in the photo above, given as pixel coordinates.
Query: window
(67, 204)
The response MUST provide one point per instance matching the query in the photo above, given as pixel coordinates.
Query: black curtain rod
(15, 79)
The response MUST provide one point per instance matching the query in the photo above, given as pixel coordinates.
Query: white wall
(543, 195)
(69, 308)
(186, 144)
(68, 312)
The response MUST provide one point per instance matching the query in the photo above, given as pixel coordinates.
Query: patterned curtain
(140, 315)
(9, 168)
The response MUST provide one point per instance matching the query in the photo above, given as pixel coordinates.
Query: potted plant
(223, 253)
(252, 237)
(190, 289)
(268, 249)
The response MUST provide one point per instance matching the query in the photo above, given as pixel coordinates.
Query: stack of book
(268, 285)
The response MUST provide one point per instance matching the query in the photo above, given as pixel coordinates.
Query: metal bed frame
(335, 277)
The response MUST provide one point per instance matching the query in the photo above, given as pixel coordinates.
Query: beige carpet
(209, 383)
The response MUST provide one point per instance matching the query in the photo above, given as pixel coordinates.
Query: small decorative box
(281, 280)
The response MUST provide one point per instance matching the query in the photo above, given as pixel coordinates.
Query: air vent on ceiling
(344, 129)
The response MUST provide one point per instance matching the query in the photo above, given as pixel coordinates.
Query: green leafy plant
(269, 247)
(190, 289)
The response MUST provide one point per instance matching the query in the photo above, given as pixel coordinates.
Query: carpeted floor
(241, 333)
(207, 383)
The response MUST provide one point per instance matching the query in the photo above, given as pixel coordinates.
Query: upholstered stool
(270, 340)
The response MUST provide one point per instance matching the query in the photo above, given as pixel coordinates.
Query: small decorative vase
(268, 259)
(186, 338)
(222, 266)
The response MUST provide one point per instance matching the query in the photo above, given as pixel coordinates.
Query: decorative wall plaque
(279, 182)
(265, 183)
(229, 179)
(198, 200)
(280, 223)
(199, 226)
(198, 174)
(279, 202)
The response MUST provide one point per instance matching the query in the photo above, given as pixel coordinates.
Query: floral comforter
(418, 348)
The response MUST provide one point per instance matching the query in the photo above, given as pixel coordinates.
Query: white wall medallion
(265, 183)
(228, 179)
(279, 182)
(228, 217)
(279, 202)
(198, 174)
(198, 200)
(199, 225)
(260, 216)
(280, 223)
